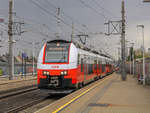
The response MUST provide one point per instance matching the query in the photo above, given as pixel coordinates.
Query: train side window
(81, 64)
(103, 68)
(90, 69)
(99, 62)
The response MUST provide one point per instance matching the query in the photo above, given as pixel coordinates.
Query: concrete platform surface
(17, 82)
(110, 95)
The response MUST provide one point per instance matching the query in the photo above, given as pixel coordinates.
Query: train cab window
(57, 53)
(81, 64)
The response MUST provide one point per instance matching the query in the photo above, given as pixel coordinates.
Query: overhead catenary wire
(98, 4)
(45, 10)
(33, 22)
(31, 26)
(69, 17)
(51, 14)
(93, 9)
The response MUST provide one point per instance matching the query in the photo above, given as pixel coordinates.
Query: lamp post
(129, 58)
(142, 26)
(33, 55)
(132, 44)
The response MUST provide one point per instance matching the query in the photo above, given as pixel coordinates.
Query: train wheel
(77, 86)
(100, 77)
(83, 84)
(80, 85)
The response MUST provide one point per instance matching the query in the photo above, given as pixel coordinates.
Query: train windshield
(56, 53)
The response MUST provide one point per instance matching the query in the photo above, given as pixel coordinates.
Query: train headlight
(46, 73)
(65, 72)
(62, 73)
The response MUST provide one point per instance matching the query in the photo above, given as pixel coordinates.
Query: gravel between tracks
(19, 100)
(49, 100)
(10, 103)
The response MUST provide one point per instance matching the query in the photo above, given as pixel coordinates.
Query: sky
(88, 17)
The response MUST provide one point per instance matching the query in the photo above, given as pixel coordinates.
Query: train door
(83, 69)
(95, 66)
(84, 61)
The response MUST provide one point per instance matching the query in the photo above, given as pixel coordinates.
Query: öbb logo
(54, 66)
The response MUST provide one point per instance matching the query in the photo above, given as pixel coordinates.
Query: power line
(33, 22)
(31, 26)
(93, 9)
(97, 3)
(49, 13)
(73, 20)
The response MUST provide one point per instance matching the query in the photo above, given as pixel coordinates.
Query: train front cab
(60, 74)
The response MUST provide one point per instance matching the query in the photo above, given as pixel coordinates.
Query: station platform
(17, 82)
(108, 95)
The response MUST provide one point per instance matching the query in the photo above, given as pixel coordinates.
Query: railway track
(13, 103)
(25, 100)
(35, 101)
(25, 106)
(17, 91)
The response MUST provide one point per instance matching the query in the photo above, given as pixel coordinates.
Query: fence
(18, 68)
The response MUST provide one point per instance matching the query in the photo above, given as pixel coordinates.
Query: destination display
(57, 49)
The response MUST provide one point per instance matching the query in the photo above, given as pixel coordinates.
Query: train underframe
(60, 85)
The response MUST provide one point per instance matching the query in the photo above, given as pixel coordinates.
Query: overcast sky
(88, 16)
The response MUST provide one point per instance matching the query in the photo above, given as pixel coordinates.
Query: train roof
(82, 50)
(58, 40)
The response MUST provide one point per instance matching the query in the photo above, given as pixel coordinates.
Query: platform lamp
(132, 44)
(142, 26)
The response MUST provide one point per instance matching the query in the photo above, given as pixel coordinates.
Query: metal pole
(58, 23)
(143, 57)
(133, 63)
(22, 66)
(33, 49)
(123, 43)
(72, 32)
(133, 59)
(142, 26)
(130, 60)
(118, 53)
(10, 61)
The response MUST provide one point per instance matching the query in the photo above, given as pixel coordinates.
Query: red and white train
(62, 65)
